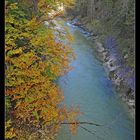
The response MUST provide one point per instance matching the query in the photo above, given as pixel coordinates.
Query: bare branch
(100, 138)
(87, 130)
(90, 123)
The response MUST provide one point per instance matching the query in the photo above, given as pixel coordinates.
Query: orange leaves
(72, 114)
(29, 77)
(16, 97)
(45, 102)
(73, 127)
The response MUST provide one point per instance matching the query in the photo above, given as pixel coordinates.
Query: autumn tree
(33, 62)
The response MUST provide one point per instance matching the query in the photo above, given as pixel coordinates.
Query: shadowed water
(88, 87)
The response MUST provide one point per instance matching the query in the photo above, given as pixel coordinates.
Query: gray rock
(126, 56)
(100, 47)
(117, 81)
(131, 104)
(46, 23)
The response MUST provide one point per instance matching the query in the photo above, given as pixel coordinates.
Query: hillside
(112, 23)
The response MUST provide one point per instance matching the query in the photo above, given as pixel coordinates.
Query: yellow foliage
(33, 61)
(9, 131)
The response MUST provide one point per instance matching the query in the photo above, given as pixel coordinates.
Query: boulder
(100, 47)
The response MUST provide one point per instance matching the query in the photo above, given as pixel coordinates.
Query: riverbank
(88, 87)
(113, 64)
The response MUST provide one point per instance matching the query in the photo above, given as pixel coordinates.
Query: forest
(39, 51)
(111, 25)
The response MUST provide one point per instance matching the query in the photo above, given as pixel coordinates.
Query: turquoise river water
(88, 87)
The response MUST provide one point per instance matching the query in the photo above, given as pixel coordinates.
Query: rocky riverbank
(122, 76)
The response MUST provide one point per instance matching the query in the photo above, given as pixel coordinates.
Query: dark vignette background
(2, 17)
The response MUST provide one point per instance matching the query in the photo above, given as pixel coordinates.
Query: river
(88, 87)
